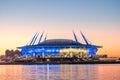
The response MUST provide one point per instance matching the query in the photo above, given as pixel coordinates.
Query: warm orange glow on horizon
(111, 46)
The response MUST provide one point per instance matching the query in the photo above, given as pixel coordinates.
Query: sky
(99, 20)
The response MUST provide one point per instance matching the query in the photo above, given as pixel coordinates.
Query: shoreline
(40, 63)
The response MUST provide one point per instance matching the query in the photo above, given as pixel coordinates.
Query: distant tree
(17, 52)
(12, 53)
(7, 53)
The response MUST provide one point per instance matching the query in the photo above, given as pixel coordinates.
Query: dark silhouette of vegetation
(12, 53)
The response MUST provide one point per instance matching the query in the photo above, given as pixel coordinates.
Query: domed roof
(53, 42)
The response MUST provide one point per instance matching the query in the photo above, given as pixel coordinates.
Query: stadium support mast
(86, 41)
(45, 37)
(75, 37)
(33, 39)
(40, 37)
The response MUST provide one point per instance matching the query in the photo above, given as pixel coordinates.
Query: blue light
(92, 51)
(40, 51)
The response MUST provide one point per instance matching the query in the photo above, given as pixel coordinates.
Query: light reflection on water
(60, 72)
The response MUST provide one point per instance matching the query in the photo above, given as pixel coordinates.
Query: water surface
(60, 72)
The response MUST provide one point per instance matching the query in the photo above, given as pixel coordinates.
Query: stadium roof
(51, 42)
(58, 42)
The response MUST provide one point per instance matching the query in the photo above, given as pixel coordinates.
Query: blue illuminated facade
(53, 46)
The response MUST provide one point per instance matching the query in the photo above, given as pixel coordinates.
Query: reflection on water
(60, 72)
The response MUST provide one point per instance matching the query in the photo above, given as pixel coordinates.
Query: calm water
(60, 72)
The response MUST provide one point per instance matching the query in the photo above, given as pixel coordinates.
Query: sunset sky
(99, 20)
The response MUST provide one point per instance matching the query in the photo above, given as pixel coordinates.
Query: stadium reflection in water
(60, 72)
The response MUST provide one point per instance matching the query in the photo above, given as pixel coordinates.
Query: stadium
(59, 47)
